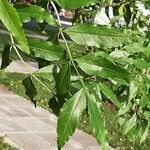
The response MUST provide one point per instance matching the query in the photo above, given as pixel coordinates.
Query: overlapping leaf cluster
(114, 67)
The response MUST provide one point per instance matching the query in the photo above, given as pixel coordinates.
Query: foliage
(5, 146)
(114, 68)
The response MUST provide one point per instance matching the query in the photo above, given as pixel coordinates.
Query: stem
(30, 72)
(67, 46)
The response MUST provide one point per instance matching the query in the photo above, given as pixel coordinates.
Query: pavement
(28, 128)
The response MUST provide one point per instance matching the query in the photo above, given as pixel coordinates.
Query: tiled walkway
(30, 128)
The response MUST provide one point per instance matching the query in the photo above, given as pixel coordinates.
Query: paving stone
(37, 112)
(7, 125)
(33, 124)
(28, 141)
(18, 66)
(13, 112)
(51, 139)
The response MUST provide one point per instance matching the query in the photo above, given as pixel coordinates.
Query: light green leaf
(93, 64)
(109, 94)
(141, 63)
(68, 4)
(137, 47)
(46, 50)
(69, 117)
(144, 101)
(145, 134)
(97, 36)
(45, 73)
(133, 90)
(10, 18)
(129, 124)
(36, 12)
(96, 122)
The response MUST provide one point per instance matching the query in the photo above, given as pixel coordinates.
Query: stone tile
(3, 114)
(17, 101)
(51, 139)
(83, 137)
(28, 141)
(50, 121)
(18, 66)
(33, 124)
(13, 111)
(36, 112)
(7, 125)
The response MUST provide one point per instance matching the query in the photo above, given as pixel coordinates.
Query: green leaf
(95, 64)
(10, 18)
(141, 63)
(96, 122)
(109, 94)
(144, 101)
(133, 90)
(129, 124)
(97, 36)
(30, 88)
(145, 134)
(137, 47)
(67, 4)
(46, 73)
(38, 13)
(69, 117)
(46, 50)
(6, 57)
(63, 80)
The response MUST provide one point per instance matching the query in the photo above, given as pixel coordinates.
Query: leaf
(30, 88)
(10, 18)
(66, 4)
(97, 36)
(129, 124)
(6, 57)
(38, 13)
(45, 73)
(69, 117)
(95, 64)
(141, 63)
(133, 90)
(144, 101)
(46, 50)
(145, 134)
(128, 14)
(63, 80)
(96, 122)
(137, 47)
(109, 94)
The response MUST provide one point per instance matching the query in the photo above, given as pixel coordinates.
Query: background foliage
(109, 69)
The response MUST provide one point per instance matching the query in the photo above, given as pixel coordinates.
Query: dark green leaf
(6, 57)
(11, 20)
(97, 36)
(30, 88)
(69, 117)
(96, 121)
(36, 12)
(109, 94)
(63, 80)
(46, 50)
